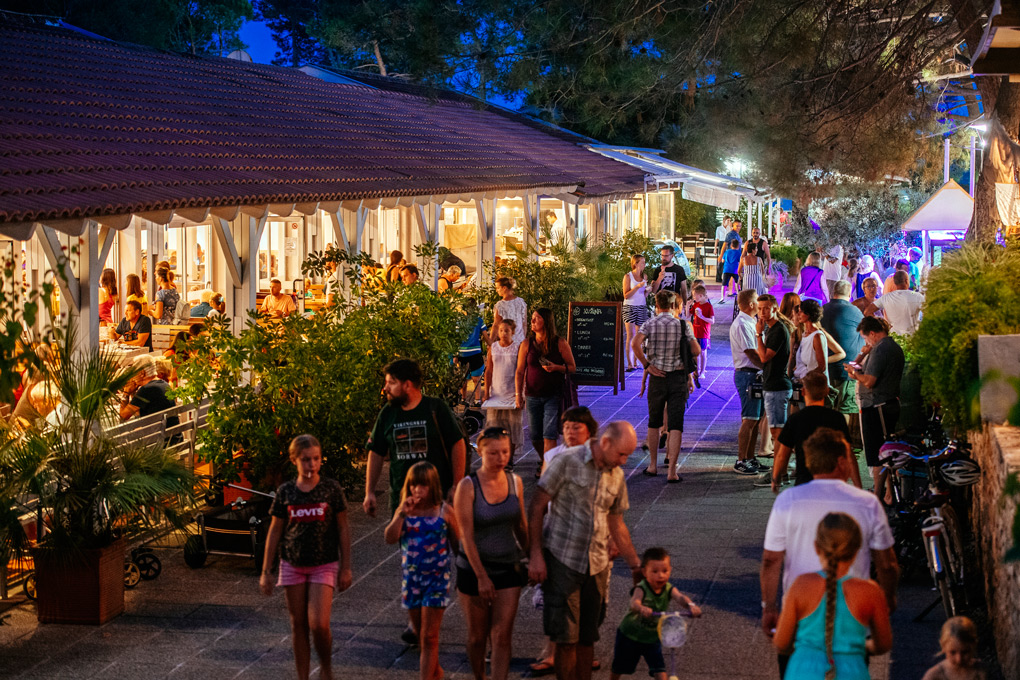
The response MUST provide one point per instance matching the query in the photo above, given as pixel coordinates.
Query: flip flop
(675, 481)
(540, 668)
(646, 473)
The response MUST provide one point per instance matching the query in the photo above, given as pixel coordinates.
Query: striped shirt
(664, 335)
(583, 496)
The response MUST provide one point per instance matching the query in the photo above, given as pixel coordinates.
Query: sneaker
(722, 300)
(764, 479)
(408, 637)
(756, 465)
(741, 468)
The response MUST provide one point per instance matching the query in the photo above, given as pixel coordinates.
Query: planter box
(87, 590)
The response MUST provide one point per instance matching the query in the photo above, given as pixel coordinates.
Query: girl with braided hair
(827, 616)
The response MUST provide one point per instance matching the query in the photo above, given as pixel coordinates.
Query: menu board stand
(595, 336)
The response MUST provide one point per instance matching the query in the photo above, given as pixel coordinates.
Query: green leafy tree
(862, 219)
(194, 26)
(319, 375)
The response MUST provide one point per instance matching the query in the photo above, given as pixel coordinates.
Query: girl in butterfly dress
(426, 529)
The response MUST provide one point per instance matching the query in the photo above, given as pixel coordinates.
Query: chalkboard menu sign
(594, 333)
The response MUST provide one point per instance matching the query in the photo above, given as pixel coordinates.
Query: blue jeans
(543, 417)
(776, 407)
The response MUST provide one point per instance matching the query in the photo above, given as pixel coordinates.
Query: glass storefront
(279, 252)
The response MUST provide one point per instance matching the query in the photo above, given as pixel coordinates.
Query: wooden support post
(225, 238)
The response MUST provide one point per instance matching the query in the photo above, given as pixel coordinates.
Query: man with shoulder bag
(666, 347)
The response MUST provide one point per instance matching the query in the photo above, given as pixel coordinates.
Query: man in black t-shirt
(135, 328)
(774, 354)
(801, 425)
(670, 276)
(412, 428)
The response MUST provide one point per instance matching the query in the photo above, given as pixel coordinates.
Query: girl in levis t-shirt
(310, 516)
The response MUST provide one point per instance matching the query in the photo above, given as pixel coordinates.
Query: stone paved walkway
(212, 623)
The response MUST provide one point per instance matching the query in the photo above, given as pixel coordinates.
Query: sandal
(541, 667)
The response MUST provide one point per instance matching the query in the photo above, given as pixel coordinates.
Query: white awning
(697, 184)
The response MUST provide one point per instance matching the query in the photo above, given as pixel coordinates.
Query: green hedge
(975, 292)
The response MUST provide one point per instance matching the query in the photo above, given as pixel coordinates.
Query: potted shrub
(84, 489)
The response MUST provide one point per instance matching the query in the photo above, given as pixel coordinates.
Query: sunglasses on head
(494, 433)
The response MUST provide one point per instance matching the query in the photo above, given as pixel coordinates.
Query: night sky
(259, 41)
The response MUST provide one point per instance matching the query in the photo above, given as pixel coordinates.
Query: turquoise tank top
(809, 660)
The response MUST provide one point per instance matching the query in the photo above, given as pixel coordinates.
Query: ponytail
(830, 614)
(838, 539)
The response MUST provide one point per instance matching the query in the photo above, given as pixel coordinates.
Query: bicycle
(928, 524)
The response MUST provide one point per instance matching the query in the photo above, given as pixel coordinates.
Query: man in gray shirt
(879, 380)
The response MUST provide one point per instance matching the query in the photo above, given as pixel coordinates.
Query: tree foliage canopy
(195, 26)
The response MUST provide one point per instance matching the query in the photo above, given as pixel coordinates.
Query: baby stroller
(466, 402)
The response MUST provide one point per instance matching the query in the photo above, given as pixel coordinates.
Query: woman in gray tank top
(490, 510)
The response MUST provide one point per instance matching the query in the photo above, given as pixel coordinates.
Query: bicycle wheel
(30, 590)
(934, 544)
(955, 559)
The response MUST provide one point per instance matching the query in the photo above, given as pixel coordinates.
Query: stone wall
(997, 450)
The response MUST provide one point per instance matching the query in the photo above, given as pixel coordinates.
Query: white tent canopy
(945, 216)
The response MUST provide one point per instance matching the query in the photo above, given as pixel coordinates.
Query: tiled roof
(92, 127)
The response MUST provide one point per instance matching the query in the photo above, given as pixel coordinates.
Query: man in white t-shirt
(901, 307)
(720, 241)
(832, 266)
(746, 365)
(793, 524)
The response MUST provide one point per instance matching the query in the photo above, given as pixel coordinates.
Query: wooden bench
(153, 429)
(162, 336)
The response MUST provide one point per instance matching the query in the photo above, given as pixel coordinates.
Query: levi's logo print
(412, 439)
(308, 512)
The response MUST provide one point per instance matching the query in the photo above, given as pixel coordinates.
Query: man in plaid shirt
(660, 346)
(585, 493)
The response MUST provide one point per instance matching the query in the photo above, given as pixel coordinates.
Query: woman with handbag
(489, 505)
(543, 361)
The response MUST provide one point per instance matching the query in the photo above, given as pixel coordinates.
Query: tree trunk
(378, 58)
(998, 161)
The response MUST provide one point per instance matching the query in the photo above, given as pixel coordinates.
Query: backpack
(182, 314)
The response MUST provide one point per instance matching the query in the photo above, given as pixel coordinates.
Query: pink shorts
(294, 576)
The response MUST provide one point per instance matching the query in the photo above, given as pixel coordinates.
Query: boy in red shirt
(702, 318)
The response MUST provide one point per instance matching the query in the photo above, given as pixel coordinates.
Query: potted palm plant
(83, 488)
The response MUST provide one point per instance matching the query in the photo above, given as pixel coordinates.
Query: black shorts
(627, 653)
(669, 392)
(872, 432)
(727, 277)
(502, 576)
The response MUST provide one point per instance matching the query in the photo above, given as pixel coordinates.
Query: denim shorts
(544, 416)
(776, 407)
(750, 407)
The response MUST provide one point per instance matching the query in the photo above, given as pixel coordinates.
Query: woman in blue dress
(827, 616)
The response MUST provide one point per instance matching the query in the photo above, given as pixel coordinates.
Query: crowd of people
(811, 371)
